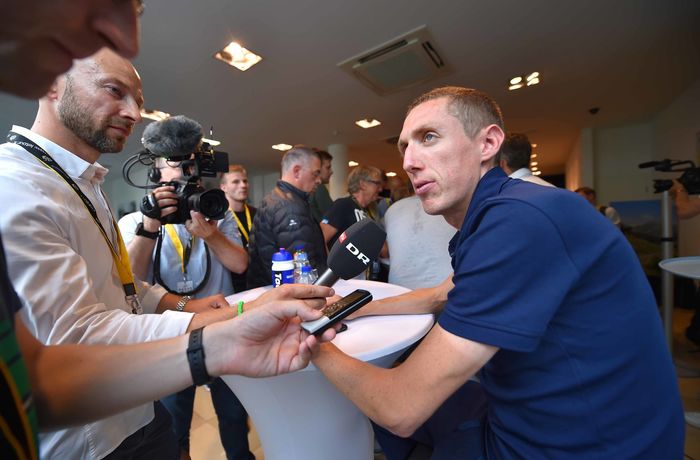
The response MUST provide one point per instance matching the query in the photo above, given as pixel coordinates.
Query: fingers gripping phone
(337, 311)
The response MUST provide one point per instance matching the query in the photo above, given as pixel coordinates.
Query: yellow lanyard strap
(184, 254)
(242, 229)
(120, 258)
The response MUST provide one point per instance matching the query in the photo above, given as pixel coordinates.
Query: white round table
(302, 416)
(688, 267)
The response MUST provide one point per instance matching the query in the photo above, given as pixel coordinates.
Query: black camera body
(690, 179)
(190, 197)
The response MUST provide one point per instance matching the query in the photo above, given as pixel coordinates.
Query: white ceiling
(631, 58)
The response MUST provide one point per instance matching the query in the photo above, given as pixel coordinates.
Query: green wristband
(240, 307)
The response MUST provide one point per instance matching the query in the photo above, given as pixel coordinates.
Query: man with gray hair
(284, 218)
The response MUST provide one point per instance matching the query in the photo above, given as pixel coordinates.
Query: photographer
(685, 207)
(177, 256)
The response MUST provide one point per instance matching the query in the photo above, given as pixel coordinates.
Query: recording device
(352, 253)
(179, 141)
(337, 311)
(690, 177)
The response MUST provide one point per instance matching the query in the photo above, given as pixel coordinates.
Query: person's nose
(131, 110)
(118, 24)
(411, 161)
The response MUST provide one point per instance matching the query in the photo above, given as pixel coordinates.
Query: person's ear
(492, 139)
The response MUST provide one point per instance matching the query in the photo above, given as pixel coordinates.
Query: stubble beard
(76, 117)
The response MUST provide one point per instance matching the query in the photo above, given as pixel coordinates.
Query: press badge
(185, 286)
(133, 302)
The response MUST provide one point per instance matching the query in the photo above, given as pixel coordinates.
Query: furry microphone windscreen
(173, 137)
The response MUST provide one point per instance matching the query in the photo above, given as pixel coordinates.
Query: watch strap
(140, 231)
(195, 358)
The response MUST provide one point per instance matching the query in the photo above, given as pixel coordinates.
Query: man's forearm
(231, 255)
(74, 384)
(140, 251)
(425, 300)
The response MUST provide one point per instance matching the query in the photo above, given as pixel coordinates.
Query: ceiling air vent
(399, 63)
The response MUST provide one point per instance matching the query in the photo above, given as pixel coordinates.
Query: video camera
(690, 179)
(179, 141)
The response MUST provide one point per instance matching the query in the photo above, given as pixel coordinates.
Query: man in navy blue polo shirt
(550, 309)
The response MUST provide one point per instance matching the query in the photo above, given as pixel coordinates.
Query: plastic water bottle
(307, 275)
(282, 268)
(301, 258)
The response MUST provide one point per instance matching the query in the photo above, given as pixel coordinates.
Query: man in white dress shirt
(64, 260)
(514, 159)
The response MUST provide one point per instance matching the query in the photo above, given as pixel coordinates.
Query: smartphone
(337, 311)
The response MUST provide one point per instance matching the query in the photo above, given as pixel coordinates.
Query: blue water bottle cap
(306, 268)
(281, 256)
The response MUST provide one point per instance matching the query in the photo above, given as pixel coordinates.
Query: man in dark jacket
(284, 218)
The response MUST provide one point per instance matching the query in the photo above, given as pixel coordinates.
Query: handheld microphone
(354, 250)
(174, 138)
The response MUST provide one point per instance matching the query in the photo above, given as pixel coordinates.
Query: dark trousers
(155, 440)
(233, 419)
(454, 431)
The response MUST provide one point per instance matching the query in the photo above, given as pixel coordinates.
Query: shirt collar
(520, 173)
(287, 186)
(72, 164)
(488, 186)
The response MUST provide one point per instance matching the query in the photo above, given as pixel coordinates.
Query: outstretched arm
(425, 300)
(74, 384)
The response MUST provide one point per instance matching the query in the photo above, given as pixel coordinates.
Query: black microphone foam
(174, 138)
(353, 251)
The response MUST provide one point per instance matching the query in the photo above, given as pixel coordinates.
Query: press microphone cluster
(352, 253)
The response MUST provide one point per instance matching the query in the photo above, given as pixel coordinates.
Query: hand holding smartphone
(337, 311)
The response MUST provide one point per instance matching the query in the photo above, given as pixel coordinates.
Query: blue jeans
(233, 419)
(155, 440)
(454, 431)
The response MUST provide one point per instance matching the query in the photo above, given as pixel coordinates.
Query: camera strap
(119, 254)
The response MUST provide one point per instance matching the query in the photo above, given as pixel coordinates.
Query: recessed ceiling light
(282, 147)
(237, 56)
(534, 146)
(367, 123)
(212, 142)
(533, 163)
(534, 168)
(391, 174)
(352, 163)
(520, 82)
(156, 115)
(534, 155)
(536, 173)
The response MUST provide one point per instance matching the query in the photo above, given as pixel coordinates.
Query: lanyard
(184, 253)
(119, 255)
(243, 230)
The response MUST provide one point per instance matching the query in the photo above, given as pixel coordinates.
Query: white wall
(615, 153)
(677, 133)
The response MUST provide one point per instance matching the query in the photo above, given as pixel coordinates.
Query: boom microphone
(174, 138)
(354, 250)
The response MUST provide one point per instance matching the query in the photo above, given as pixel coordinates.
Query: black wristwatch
(140, 231)
(195, 358)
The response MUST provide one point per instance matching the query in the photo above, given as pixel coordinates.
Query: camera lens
(211, 203)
